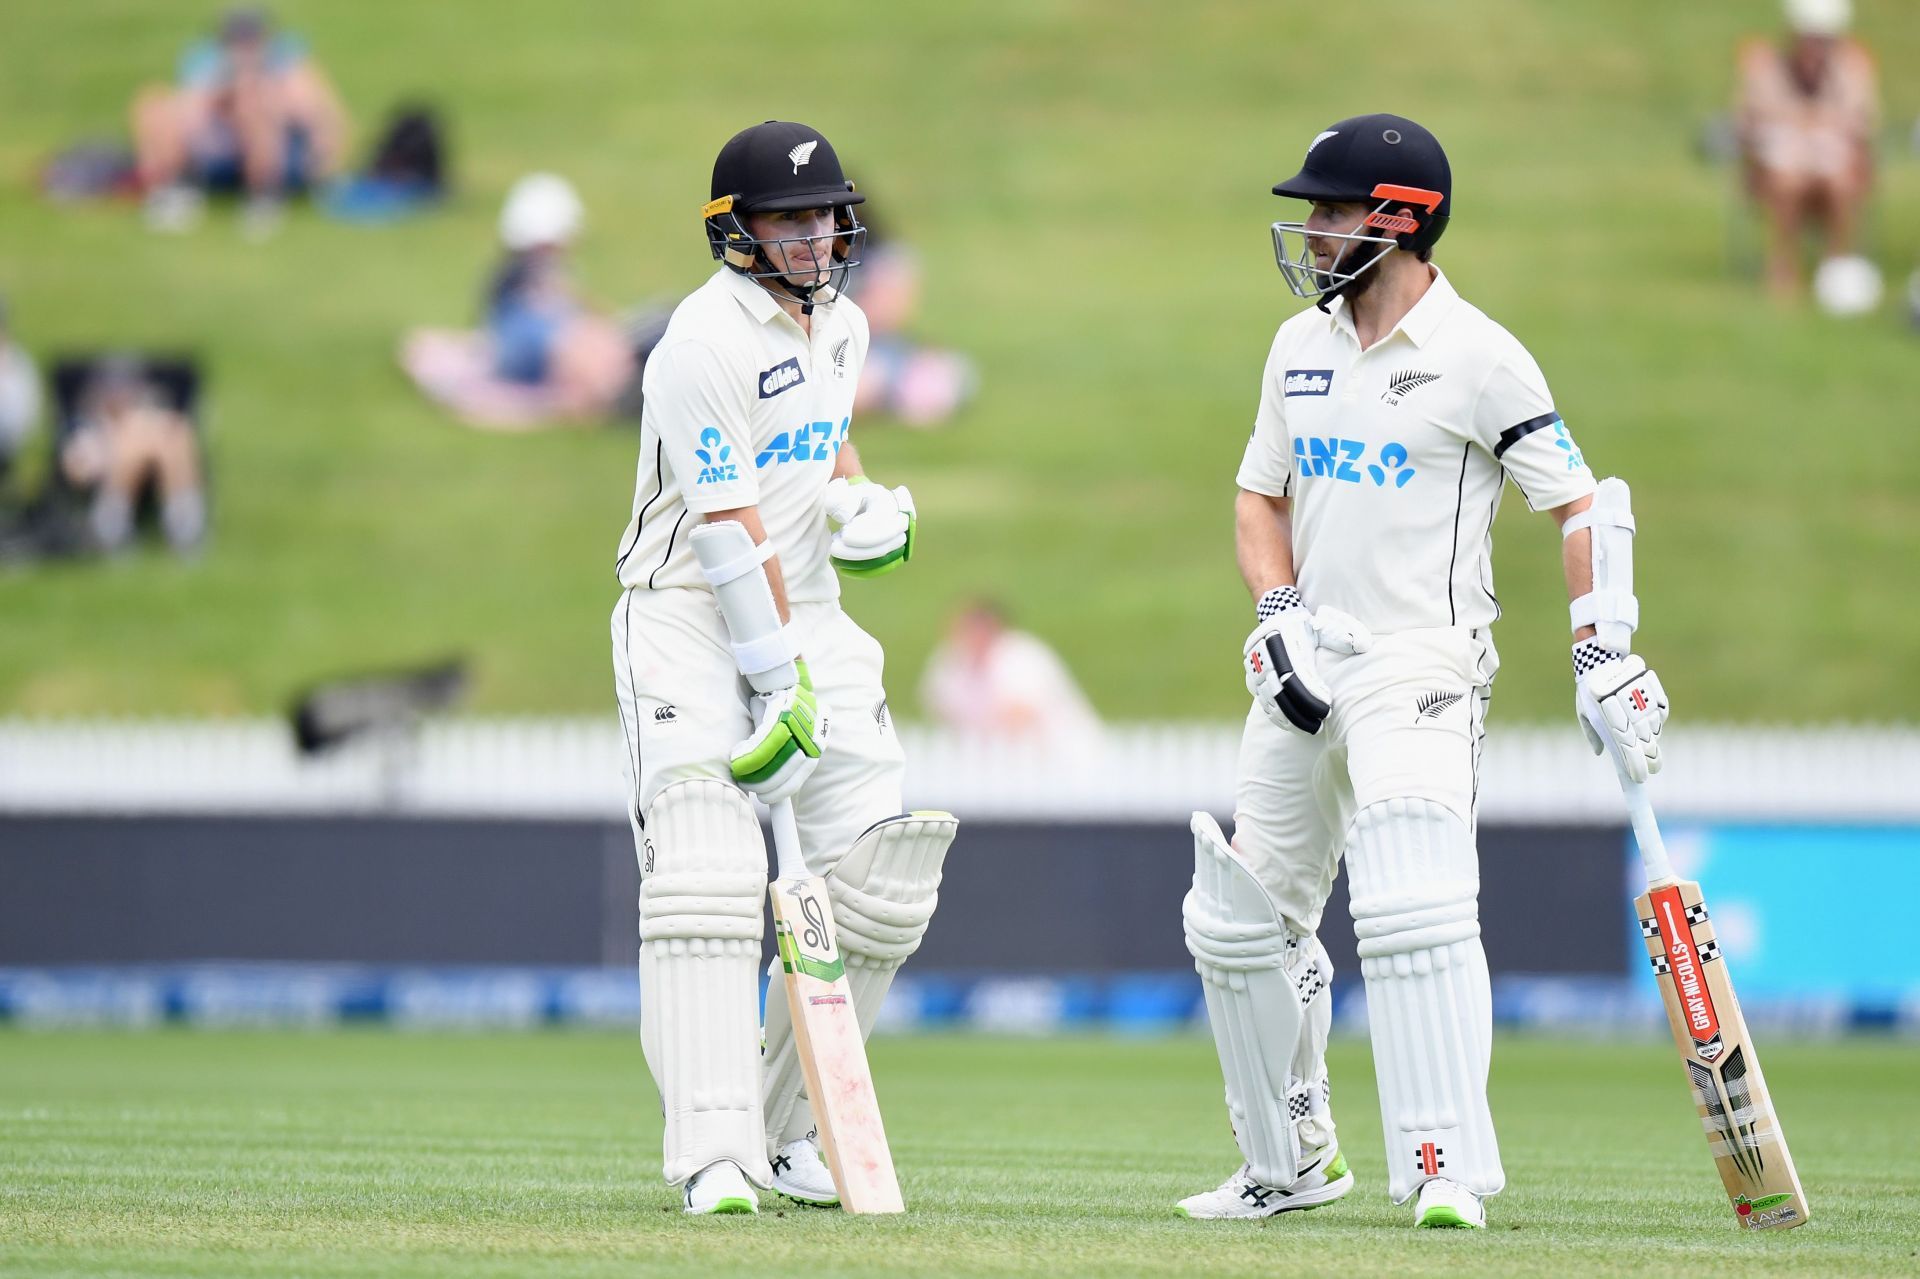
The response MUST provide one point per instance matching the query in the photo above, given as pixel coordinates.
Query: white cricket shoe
(720, 1187)
(1325, 1180)
(801, 1175)
(1448, 1205)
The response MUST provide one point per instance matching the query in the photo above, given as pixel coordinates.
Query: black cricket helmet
(1384, 160)
(769, 168)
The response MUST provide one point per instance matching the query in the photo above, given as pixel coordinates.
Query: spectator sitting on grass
(252, 112)
(19, 396)
(545, 356)
(126, 439)
(1806, 116)
(543, 333)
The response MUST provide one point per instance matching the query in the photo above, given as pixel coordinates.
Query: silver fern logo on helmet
(802, 153)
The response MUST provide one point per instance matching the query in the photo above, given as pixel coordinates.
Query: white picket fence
(544, 768)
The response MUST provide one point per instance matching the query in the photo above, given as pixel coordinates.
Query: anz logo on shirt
(1339, 459)
(715, 466)
(809, 442)
(1563, 441)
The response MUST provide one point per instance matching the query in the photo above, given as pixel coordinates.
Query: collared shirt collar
(760, 304)
(1421, 321)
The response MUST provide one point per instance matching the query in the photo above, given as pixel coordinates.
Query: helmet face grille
(1310, 281)
(732, 243)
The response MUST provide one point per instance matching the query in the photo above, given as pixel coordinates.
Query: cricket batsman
(748, 402)
(1391, 414)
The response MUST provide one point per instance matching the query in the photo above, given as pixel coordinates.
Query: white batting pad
(1270, 1007)
(884, 892)
(1415, 884)
(703, 882)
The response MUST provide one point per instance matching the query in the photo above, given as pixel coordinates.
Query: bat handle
(1646, 831)
(789, 861)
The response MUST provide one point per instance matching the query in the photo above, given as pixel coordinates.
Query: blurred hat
(541, 209)
(119, 368)
(243, 22)
(1819, 17)
(781, 165)
(1847, 286)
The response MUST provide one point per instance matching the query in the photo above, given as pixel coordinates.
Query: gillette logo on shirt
(782, 376)
(1308, 382)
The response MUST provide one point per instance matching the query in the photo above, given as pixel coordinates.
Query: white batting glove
(1621, 705)
(1278, 662)
(877, 526)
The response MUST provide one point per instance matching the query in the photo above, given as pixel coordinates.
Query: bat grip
(789, 861)
(1646, 831)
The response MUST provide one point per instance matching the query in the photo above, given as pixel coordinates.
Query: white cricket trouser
(684, 705)
(1408, 718)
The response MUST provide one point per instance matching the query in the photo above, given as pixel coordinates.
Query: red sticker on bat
(1683, 963)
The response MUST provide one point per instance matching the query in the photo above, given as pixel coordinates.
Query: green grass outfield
(1088, 183)
(186, 1153)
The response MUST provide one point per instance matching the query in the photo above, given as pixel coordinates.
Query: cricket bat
(1728, 1089)
(833, 1054)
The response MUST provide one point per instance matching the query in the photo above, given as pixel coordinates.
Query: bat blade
(1723, 1068)
(833, 1053)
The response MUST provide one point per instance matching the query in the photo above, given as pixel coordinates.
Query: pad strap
(768, 652)
(1596, 607)
(739, 565)
(1608, 517)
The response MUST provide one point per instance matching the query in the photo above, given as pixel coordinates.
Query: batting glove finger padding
(1621, 706)
(1339, 632)
(877, 526)
(790, 728)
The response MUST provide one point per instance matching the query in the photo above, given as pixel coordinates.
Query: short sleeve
(1267, 465)
(1515, 420)
(699, 409)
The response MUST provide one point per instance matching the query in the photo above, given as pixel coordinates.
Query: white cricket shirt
(1394, 457)
(740, 408)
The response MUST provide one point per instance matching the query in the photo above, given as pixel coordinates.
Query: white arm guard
(1610, 607)
(764, 648)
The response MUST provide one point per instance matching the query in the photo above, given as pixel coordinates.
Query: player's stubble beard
(1354, 289)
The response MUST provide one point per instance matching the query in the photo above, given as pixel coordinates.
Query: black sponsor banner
(1017, 897)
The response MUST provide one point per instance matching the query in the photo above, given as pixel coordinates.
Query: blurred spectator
(126, 438)
(1806, 115)
(19, 396)
(915, 385)
(988, 679)
(546, 355)
(543, 332)
(252, 111)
